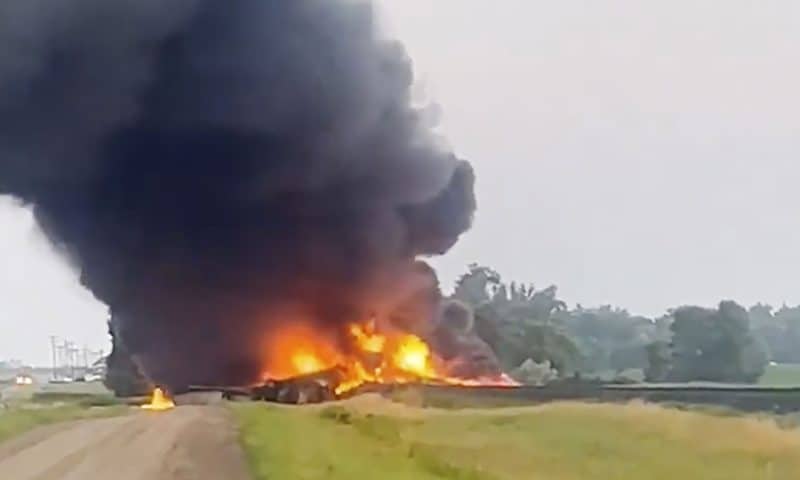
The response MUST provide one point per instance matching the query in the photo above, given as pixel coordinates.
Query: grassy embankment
(782, 375)
(370, 438)
(27, 409)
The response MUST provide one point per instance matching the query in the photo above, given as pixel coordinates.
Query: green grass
(26, 408)
(783, 375)
(451, 399)
(81, 399)
(366, 439)
(17, 420)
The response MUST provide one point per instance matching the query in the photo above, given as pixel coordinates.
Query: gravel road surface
(187, 443)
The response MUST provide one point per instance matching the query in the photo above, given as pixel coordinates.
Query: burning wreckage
(249, 190)
(305, 368)
(304, 365)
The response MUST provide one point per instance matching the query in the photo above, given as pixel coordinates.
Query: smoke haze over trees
(726, 344)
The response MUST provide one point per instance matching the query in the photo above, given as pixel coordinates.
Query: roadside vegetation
(781, 375)
(24, 410)
(565, 441)
(17, 420)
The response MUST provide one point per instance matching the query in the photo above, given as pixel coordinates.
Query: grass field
(781, 375)
(27, 407)
(19, 420)
(372, 438)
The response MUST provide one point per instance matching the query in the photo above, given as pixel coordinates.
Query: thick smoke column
(216, 168)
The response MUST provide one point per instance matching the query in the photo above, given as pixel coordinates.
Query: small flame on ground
(159, 402)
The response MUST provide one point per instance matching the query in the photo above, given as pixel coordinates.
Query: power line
(69, 361)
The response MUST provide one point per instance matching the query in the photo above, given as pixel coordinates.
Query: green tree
(659, 359)
(516, 320)
(477, 286)
(610, 338)
(632, 356)
(780, 330)
(716, 345)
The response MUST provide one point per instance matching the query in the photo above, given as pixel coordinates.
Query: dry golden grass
(369, 437)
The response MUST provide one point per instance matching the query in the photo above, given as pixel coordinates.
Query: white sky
(636, 153)
(40, 294)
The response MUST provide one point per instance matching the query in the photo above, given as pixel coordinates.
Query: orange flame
(306, 362)
(299, 350)
(159, 402)
(413, 356)
(367, 339)
(375, 357)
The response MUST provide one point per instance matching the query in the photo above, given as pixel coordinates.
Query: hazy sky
(637, 153)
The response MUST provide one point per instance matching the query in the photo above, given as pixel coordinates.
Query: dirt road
(187, 443)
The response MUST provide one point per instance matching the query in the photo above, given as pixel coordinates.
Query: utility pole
(71, 359)
(53, 374)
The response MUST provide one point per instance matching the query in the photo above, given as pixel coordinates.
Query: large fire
(366, 356)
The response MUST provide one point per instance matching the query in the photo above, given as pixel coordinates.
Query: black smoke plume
(214, 168)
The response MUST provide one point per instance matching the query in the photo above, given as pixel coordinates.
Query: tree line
(536, 336)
